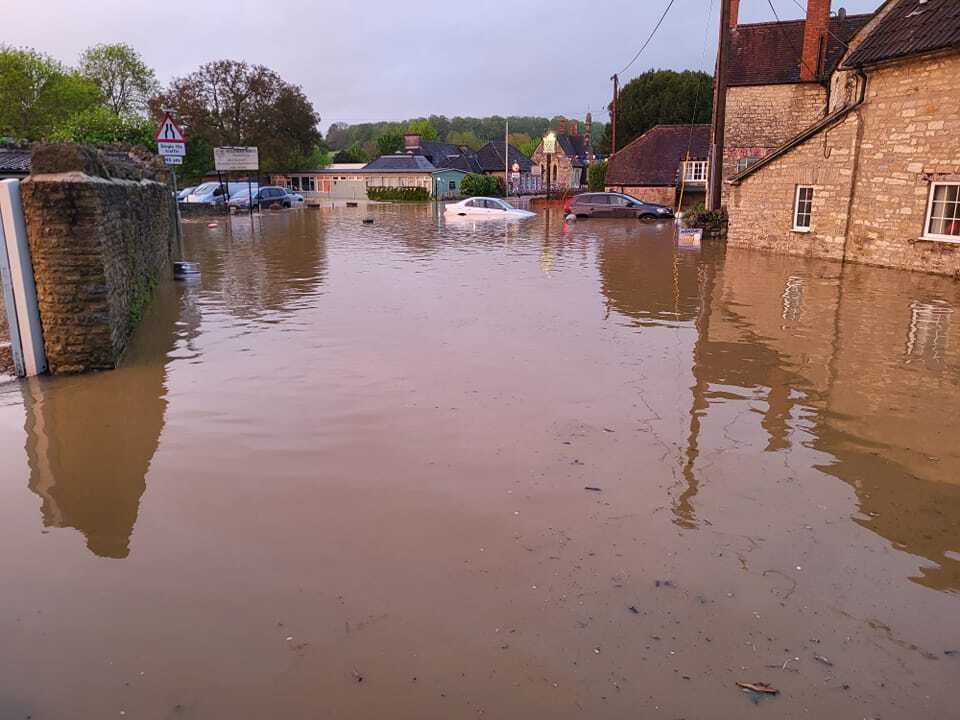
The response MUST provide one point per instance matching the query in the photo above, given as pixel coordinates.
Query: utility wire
(829, 31)
(787, 37)
(649, 39)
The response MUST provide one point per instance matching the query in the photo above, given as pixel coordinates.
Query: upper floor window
(803, 208)
(943, 212)
(695, 171)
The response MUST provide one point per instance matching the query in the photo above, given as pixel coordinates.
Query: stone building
(876, 179)
(666, 165)
(574, 154)
(776, 81)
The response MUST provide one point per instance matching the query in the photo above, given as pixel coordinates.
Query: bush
(699, 217)
(398, 194)
(474, 185)
(597, 176)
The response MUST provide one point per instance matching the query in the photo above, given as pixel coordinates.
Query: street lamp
(549, 148)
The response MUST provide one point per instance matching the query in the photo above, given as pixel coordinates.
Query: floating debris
(760, 688)
(592, 488)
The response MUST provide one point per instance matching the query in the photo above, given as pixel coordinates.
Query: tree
(473, 185)
(38, 94)
(100, 124)
(661, 97)
(465, 137)
(424, 128)
(352, 154)
(597, 175)
(232, 103)
(389, 143)
(125, 81)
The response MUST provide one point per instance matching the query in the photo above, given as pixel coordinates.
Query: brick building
(573, 156)
(663, 164)
(876, 178)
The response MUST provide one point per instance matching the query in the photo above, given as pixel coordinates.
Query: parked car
(610, 204)
(182, 195)
(212, 193)
(296, 199)
(487, 207)
(262, 197)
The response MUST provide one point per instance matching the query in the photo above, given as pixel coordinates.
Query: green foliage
(389, 143)
(474, 185)
(465, 137)
(100, 124)
(353, 154)
(699, 217)
(125, 81)
(597, 175)
(139, 299)
(661, 97)
(424, 128)
(398, 194)
(319, 157)
(38, 94)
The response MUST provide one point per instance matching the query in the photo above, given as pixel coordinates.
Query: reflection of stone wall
(6, 361)
(101, 229)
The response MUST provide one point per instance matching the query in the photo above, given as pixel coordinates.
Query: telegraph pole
(613, 115)
(715, 188)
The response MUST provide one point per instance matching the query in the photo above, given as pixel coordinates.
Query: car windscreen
(205, 188)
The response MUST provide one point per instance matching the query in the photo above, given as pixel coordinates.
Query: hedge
(398, 194)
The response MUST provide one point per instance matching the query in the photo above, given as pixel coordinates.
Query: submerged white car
(487, 208)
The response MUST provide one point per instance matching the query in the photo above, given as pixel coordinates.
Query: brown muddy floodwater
(345, 475)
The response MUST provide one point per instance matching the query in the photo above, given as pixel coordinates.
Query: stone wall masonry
(102, 231)
(761, 208)
(911, 136)
(761, 118)
(659, 195)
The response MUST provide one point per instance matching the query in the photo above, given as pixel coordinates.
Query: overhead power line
(649, 39)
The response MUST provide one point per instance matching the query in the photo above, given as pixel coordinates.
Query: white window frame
(796, 208)
(690, 170)
(927, 235)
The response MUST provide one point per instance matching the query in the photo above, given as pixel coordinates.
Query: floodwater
(344, 476)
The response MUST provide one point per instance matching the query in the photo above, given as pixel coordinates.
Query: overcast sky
(365, 60)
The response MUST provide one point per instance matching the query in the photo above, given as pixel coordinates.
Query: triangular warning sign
(169, 131)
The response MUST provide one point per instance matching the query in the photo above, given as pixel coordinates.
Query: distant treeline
(525, 131)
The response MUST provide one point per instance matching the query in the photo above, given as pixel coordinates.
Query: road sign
(168, 149)
(236, 158)
(173, 159)
(169, 131)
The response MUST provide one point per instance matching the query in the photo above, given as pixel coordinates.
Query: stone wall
(761, 118)
(909, 125)
(101, 225)
(911, 136)
(6, 359)
(761, 207)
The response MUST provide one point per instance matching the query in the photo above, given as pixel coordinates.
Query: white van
(212, 193)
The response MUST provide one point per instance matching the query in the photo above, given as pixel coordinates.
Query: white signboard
(173, 159)
(171, 149)
(236, 158)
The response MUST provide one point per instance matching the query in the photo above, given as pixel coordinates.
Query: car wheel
(582, 215)
(648, 218)
(286, 205)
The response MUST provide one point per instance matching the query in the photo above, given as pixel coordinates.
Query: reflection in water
(90, 440)
(816, 357)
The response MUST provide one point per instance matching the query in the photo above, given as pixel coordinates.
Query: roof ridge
(800, 20)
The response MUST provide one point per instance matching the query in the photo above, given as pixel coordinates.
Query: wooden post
(715, 186)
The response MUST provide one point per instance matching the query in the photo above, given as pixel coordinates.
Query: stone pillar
(101, 225)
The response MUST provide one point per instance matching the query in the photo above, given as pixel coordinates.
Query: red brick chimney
(562, 129)
(734, 13)
(814, 38)
(574, 128)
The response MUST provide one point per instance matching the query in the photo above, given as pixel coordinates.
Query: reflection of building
(90, 439)
(857, 367)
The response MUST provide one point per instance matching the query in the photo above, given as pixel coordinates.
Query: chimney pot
(562, 126)
(734, 13)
